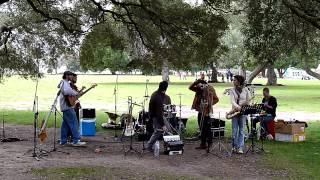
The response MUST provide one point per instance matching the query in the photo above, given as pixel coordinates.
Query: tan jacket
(209, 95)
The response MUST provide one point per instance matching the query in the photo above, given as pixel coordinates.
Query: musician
(198, 94)
(69, 122)
(270, 108)
(204, 99)
(73, 85)
(157, 100)
(240, 96)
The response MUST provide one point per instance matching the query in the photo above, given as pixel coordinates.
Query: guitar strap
(238, 99)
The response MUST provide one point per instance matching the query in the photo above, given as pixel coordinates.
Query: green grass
(18, 93)
(301, 159)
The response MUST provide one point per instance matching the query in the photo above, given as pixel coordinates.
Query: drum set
(142, 126)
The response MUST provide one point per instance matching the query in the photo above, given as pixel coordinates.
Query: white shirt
(244, 97)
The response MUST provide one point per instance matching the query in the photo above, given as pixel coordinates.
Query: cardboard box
(292, 128)
(290, 137)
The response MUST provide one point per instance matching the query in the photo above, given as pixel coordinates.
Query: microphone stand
(35, 121)
(115, 93)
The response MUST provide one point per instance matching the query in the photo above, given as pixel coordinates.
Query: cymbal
(180, 94)
(146, 96)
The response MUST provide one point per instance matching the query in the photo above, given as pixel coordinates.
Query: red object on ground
(271, 128)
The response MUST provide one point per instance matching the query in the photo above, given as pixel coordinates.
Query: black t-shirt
(157, 100)
(271, 101)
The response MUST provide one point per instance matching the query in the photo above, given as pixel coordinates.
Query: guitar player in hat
(69, 119)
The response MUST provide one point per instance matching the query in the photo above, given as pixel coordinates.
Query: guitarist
(69, 122)
(73, 85)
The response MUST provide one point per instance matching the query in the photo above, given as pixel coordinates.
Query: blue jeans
(69, 124)
(265, 121)
(238, 123)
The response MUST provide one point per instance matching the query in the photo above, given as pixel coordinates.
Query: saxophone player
(240, 96)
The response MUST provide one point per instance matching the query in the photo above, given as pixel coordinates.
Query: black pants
(205, 129)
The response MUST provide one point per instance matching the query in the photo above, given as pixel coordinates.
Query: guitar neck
(84, 92)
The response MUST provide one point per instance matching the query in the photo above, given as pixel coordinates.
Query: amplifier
(87, 113)
(173, 145)
(218, 127)
(215, 123)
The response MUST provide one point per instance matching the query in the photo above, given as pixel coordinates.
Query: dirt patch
(194, 164)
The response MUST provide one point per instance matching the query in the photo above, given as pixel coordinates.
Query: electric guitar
(73, 100)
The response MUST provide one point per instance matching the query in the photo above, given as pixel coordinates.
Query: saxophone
(232, 113)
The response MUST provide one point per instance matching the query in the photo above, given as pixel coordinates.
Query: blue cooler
(87, 126)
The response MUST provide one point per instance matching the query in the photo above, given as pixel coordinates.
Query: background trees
(155, 36)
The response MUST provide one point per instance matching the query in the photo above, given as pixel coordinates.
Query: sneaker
(269, 137)
(240, 151)
(234, 150)
(79, 143)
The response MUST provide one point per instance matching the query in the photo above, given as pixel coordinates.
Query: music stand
(251, 110)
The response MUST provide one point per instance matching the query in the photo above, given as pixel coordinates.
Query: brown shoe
(202, 147)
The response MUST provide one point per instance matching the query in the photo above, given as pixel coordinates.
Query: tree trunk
(243, 70)
(255, 72)
(312, 73)
(165, 70)
(272, 76)
(308, 69)
(214, 73)
(263, 73)
(280, 72)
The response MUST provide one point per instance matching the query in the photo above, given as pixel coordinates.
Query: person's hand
(238, 108)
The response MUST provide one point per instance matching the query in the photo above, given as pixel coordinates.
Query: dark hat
(163, 86)
(67, 73)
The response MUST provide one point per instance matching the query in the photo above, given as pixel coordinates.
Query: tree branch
(3, 1)
(48, 16)
(313, 20)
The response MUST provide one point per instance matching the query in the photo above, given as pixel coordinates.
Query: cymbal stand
(145, 98)
(181, 125)
(115, 93)
(221, 147)
(131, 149)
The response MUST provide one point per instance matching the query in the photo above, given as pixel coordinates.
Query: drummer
(157, 100)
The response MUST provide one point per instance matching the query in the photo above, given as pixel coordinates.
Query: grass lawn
(18, 93)
(302, 159)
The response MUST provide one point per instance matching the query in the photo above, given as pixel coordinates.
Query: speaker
(88, 113)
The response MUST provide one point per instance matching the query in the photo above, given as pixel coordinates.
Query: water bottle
(156, 149)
